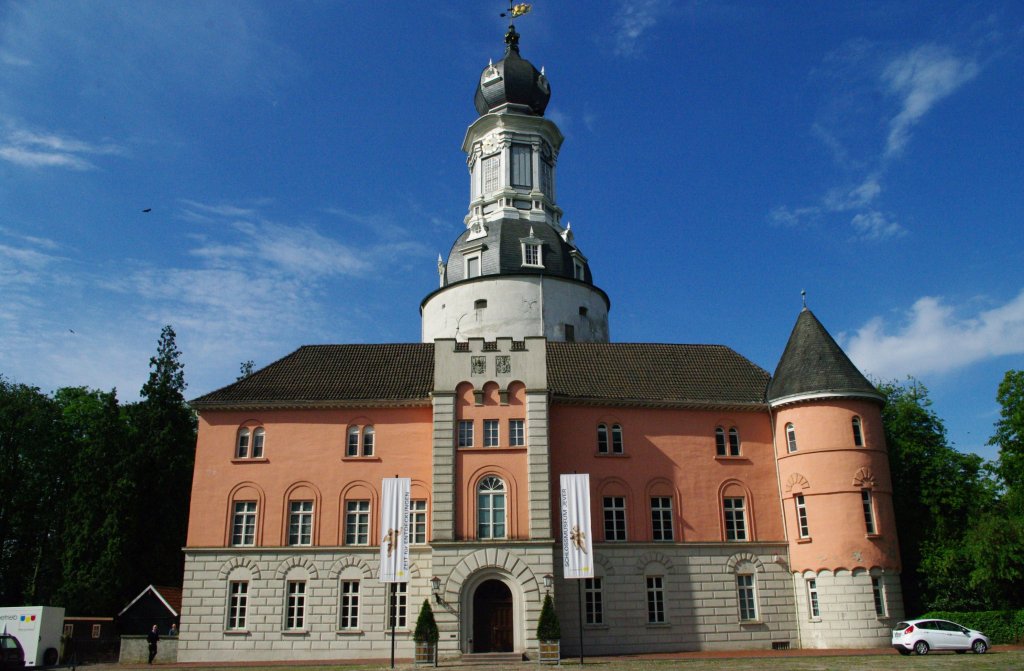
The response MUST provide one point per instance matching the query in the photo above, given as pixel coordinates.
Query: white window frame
(400, 611)
(295, 605)
(491, 508)
(357, 522)
(615, 530)
(352, 441)
(243, 523)
(242, 443)
(791, 437)
(492, 433)
(490, 174)
(479, 265)
(593, 601)
(465, 433)
(735, 509)
(721, 446)
(878, 592)
(746, 596)
(858, 432)
(418, 522)
(348, 605)
(369, 440)
(300, 523)
(868, 505)
(813, 605)
(617, 442)
(803, 529)
(734, 442)
(515, 180)
(655, 599)
(259, 438)
(661, 519)
(238, 605)
(516, 432)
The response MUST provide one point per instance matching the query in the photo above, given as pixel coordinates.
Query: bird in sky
(148, 209)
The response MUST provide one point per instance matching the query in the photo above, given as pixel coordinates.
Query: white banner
(394, 530)
(577, 546)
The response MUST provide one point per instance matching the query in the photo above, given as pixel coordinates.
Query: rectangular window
(258, 436)
(472, 266)
(300, 523)
(592, 598)
(614, 518)
(734, 442)
(578, 271)
(661, 517)
(418, 521)
(238, 605)
(522, 166)
(295, 615)
(869, 510)
(368, 434)
(97, 630)
(735, 519)
(531, 254)
(357, 522)
(491, 174)
(720, 442)
(465, 433)
(616, 439)
(655, 600)
(348, 609)
(516, 432)
(352, 446)
(747, 596)
(801, 516)
(397, 608)
(570, 333)
(491, 433)
(858, 435)
(243, 444)
(243, 531)
(878, 590)
(790, 438)
(602, 439)
(812, 599)
(546, 172)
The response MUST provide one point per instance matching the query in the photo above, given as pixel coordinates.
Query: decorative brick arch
(239, 562)
(653, 558)
(798, 482)
(345, 562)
(744, 558)
(864, 478)
(293, 562)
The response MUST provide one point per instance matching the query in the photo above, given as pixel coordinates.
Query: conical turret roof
(814, 364)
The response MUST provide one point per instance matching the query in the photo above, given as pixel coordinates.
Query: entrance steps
(488, 658)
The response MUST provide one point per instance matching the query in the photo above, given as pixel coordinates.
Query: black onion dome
(512, 81)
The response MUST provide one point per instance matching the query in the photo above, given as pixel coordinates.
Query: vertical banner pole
(394, 543)
(394, 620)
(579, 592)
(577, 546)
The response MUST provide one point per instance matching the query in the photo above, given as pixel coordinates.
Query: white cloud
(49, 150)
(634, 18)
(874, 225)
(921, 78)
(935, 338)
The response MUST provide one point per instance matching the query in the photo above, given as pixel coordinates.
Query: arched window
(242, 445)
(734, 442)
(616, 439)
(720, 441)
(791, 437)
(858, 434)
(602, 439)
(352, 446)
(490, 506)
(258, 436)
(367, 441)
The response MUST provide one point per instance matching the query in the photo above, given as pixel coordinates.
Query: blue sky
(302, 163)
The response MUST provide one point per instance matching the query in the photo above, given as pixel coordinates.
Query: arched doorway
(492, 618)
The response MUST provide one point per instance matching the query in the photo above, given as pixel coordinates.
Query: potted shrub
(549, 632)
(426, 635)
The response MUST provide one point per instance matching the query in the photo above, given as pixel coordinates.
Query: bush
(1001, 626)
(548, 628)
(426, 627)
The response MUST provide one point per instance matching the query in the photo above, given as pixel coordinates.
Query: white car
(920, 636)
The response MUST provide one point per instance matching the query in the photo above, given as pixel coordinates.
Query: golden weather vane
(515, 10)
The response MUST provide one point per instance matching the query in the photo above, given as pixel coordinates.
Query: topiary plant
(426, 626)
(548, 628)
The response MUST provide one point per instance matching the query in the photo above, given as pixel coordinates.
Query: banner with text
(394, 530)
(577, 547)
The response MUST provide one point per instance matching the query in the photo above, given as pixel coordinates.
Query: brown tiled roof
(813, 363)
(654, 373)
(325, 374)
(172, 595)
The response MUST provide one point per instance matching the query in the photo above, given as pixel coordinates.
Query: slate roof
(814, 364)
(322, 374)
(648, 372)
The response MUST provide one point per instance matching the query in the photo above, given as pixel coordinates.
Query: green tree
(548, 628)
(937, 492)
(1009, 436)
(426, 626)
(164, 438)
(98, 526)
(32, 471)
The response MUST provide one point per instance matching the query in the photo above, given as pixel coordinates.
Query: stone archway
(492, 617)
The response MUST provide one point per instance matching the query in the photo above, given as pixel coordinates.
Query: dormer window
(532, 250)
(472, 266)
(577, 270)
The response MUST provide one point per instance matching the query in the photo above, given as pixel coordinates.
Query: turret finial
(803, 297)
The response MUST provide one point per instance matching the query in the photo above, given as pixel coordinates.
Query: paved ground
(1000, 657)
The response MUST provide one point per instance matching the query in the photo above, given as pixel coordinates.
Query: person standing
(152, 637)
(173, 631)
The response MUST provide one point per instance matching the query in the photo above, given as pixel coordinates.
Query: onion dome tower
(836, 493)
(515, 271)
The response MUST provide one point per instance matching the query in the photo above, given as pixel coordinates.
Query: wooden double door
(492, 618)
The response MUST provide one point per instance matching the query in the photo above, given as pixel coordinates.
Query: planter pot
(426, 653)
(549, 652)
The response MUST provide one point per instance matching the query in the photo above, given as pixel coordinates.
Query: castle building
(732, 509)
